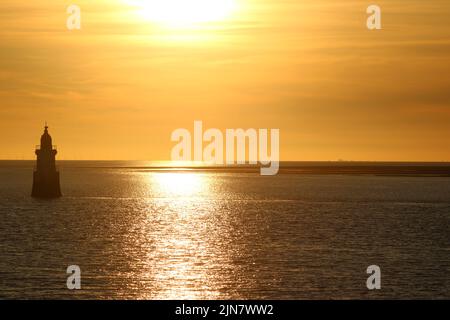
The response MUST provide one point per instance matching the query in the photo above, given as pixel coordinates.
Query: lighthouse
(45, 175)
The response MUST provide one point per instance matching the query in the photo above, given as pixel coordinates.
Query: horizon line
(235, 164)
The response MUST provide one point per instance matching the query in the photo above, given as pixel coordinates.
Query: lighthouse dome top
(46, 139)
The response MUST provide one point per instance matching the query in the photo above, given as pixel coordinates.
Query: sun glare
(173, 184)
(179, 13)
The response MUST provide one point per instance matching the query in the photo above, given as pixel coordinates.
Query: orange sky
(117, 88)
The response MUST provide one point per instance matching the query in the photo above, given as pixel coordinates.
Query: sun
(179, 13)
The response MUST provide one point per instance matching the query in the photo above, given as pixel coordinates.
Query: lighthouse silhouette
(45, 175)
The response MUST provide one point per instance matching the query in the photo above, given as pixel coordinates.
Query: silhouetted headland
(45, 176)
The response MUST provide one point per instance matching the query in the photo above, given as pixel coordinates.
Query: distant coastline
(427, 169)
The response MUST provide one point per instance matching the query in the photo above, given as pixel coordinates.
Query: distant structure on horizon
(45, 175)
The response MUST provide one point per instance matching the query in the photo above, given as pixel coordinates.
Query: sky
(117, 88)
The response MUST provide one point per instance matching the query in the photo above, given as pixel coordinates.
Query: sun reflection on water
(185, 257)
(175, 184)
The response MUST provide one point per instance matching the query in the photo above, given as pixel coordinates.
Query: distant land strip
(432, 171)
(426, 169)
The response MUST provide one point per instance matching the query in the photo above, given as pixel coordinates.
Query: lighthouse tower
(45, 176)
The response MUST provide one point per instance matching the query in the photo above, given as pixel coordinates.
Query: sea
(138, 230)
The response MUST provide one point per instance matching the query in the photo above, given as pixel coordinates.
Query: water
(141, 234)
